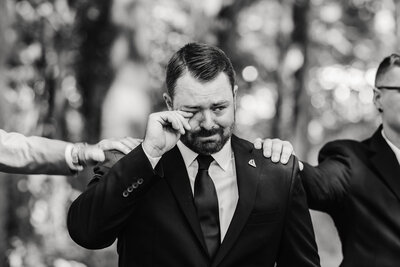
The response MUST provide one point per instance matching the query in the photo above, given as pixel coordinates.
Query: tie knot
(204, 161)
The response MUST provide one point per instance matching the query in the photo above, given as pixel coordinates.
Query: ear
(168, 101)
(235, 89)
(377, 99)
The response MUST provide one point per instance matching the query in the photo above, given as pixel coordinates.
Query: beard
(193, 140)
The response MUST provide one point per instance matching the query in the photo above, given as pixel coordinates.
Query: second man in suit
(358, 183)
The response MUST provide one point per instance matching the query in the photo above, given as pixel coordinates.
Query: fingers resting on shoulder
(276, 149)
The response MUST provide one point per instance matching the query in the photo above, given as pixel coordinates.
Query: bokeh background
(82, 70)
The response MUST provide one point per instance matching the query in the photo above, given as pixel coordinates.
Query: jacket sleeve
(298, 247)
(97, 215)
(32, 155)
(327, 184)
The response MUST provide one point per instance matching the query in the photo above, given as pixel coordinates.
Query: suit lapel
(176, 175)
(385, 162)
(247, 179)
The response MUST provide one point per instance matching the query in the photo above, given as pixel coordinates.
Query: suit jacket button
(125, 193)
(129, 189)
(140, 181)
(135, 185)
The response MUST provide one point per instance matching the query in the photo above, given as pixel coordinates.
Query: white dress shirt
(395, 149)
(222, 172)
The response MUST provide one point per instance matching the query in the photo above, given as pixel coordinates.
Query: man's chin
(208, 145)
(208, 148)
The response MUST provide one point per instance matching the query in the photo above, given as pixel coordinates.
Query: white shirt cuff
(153, 160)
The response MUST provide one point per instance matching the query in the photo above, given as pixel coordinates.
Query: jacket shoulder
(111, 157)
(344, 147)
(344, 143)
(267, 163)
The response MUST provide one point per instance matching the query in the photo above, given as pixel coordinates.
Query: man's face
(389, 99)
(213, 106)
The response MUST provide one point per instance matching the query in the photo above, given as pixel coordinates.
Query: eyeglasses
(389, 87)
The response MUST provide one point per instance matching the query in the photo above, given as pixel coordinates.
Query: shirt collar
(222, 157)
(395, 149)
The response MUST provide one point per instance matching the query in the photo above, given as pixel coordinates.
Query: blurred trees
(4, 203)
(72, 69)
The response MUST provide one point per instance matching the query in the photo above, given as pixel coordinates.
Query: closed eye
(191, 109)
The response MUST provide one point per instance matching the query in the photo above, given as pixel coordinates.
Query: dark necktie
(206, 201)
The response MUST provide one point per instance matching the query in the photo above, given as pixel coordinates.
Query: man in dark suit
(358, 183)
(193, 194)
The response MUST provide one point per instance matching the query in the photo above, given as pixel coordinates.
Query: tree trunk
(227, 34)
(291, 102)
(301, 111)
(94, 73)
(283, 42)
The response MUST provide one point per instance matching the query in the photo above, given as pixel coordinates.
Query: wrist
(151, 150)
(73, 156)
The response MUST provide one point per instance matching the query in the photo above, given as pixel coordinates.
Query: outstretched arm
(39, 155)
(32, 155)
(327, 184)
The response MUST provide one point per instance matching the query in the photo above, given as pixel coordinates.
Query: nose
(207, 120)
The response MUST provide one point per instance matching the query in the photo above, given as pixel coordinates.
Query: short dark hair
(203, 61)
(386, 64)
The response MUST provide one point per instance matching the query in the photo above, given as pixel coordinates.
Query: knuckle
(288, 144)
(277, 148)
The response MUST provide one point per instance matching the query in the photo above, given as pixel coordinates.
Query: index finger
(106, 145)
(185, 114)
(184, 120)
(258, 143)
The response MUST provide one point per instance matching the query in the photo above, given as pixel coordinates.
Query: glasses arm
(389, 87)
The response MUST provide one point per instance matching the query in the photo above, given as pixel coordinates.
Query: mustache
(205, 133)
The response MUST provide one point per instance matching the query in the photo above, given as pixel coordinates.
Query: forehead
(190, 91)
(390, 78)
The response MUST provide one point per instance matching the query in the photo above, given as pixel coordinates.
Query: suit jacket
(152, 214)
(358, 184)
(32, 155)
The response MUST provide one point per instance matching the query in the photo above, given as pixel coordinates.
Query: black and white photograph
(213, 133)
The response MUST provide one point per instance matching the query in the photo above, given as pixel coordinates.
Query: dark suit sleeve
(298, 247)
(327, 184)
(98, 214)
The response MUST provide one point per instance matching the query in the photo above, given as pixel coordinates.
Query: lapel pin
(252, 163)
